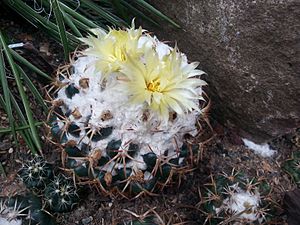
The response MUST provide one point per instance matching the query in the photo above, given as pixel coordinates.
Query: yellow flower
(111, 49)
(165, 85)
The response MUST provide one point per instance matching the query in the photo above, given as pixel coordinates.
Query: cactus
(11, 215)
(122, 110)
(61, 194)
(233, 198)
(292, 167)
(24, 210)
(36, 173)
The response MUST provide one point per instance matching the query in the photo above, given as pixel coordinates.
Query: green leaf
(22, 60)
(33, 90)
(138, 13)
(104, 13)
(41, 22)
(156, 12)
(7, 101)
(25, 134)
(24, 98)
(61, 27)
(71, 24)
(78, 17)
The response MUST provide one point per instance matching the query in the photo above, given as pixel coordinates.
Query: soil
(179, 202)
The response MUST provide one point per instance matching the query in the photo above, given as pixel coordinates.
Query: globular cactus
(24, 210)
(36, 173)
(11, 215)
(236, 200)
(61, 194)
(123, 110)
(292, 167)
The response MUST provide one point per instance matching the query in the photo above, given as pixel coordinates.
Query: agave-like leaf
(23, 96)
(61, 27)
(4, 85)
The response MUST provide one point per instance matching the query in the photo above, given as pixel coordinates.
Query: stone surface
(251, 52)
(291, 205)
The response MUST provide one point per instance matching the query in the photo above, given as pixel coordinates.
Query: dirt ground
(177, 203)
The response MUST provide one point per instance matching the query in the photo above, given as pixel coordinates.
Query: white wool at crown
(239, 201)
(151, 136)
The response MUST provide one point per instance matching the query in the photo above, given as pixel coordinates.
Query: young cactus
(292, 167)
(11, 215)
(61, 194)
(24, 210)
(123, 109)
(36, 173)
(233, 198)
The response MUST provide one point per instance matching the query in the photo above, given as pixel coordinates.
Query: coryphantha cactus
(236, 200)
(11, 215)
(123, 110)
(292, 167)
(36, 173)
(22, 210)
(61, 194)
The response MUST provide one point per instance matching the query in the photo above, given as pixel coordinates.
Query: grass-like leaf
(156, 12)
(105, 14)
(81, 16)
(22, 93)
(138, 13)
(30, 66)
(41, 22)
(61, 27)
(25, 134)
(19, 128)
(4, 85)
(71, 24)
(78, 17)
(33, 90)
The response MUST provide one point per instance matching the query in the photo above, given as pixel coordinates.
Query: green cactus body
(11, 215)
(24, 210)
(36, 173)
(108, 131)
(232, 198)
(61, 194)
(292, 167)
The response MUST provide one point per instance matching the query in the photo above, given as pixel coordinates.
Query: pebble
(87, 220)
(10, 150)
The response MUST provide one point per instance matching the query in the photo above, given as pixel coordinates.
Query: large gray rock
(251, 52)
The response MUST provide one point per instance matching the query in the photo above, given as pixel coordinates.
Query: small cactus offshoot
(61, 194)
(24, 210)
(233, 198)
(11, 215)
(292, 167)
(36, 172)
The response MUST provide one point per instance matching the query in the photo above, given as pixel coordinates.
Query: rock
(291, 204)
(251, 52)
(87, 220)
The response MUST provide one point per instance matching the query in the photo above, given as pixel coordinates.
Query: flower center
(120, 54)
(154, 85)
(123, 56)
